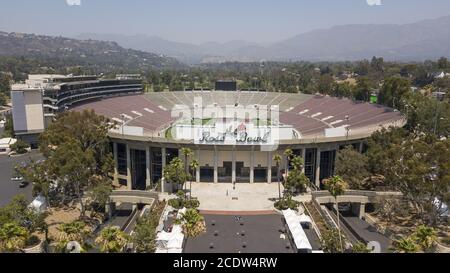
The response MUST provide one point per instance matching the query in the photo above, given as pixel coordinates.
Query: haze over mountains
(429, 39)
(106, 54)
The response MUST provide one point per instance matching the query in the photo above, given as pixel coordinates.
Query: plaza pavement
(246, 197)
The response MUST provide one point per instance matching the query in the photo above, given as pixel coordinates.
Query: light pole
(125, 123)
(347, 118)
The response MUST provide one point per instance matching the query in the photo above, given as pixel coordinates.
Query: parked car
(23, 184)
(17, 178)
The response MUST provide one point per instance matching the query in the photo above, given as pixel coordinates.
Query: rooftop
(256, 234)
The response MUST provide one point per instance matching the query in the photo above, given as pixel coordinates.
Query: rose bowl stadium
(233, 134)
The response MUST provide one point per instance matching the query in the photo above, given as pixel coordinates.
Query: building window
(122, 159)
(310, 164)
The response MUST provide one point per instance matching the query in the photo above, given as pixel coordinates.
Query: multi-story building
(37, 101)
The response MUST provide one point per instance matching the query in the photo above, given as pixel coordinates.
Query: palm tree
(13, 237)
(186, 153)
(193, 223)
(277, 159)
(336, 186)
(112, 240)
(405, 245)
(194, 166)
(425, 237)
(75, 231)
(288, 153)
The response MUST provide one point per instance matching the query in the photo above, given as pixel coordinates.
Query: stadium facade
(234, 135)
(37, 101)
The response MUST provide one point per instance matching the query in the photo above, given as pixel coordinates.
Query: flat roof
(262, 234)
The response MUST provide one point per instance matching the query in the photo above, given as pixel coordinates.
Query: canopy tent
(171, 242)
(298, 234)
(39, 204)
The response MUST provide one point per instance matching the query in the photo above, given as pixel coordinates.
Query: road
(8, 188)
(369, 233)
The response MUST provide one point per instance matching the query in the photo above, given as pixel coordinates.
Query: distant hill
(185, 52)
(410, 42)
(427, 39)
(95, 52)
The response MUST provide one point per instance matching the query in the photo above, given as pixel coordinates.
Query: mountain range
(428, 39)
(83, 52)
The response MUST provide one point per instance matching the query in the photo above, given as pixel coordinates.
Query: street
(8, 188)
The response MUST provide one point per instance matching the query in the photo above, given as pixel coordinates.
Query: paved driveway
(8, 188)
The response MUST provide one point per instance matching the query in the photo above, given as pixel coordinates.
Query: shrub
(20, 147)
(287, 203)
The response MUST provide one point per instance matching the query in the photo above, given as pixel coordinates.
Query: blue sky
(198, 21)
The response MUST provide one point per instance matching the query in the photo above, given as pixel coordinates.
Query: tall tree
(352, 166)
(336, 186)
(112, 240)
(277, 159)
(394, 91)
(78, 159)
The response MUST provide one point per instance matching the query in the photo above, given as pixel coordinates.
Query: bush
(287, 203)
(20, 147)
(181, 202)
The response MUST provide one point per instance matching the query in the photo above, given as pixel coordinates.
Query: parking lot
(8, 188)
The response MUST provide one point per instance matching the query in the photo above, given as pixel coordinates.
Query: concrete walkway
(245, 197)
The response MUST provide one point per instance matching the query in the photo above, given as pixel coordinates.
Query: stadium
(234, 134)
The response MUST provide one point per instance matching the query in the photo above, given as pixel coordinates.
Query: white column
(304, 159)
(252, 165)
(216, 165)
(197, 172)
(269, 167)
(129, 181)
(233, 172)
(318, 168)
(362, 211)
(163, 160)
(116, 171)
(147, 163)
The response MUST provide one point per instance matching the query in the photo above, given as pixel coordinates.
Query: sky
(199, 21)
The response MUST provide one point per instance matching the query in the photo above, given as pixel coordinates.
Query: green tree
(3, 99)
(425, 237)
(363, 89)
(288, 153)
(78, 159)
(175, 172)
(336, 186)
(9, 127)
(193, 223)
(74, 231)
(443, 63)
(360, 248)
(277, 159)
(352, 166)
(194, 167)
(296, 180)
(144, 235)
(13, 237)
(394, 91)
(20, 147)
(420, 169)
(187, 153)
(331, 241)
(405, 245)
(112, 240)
